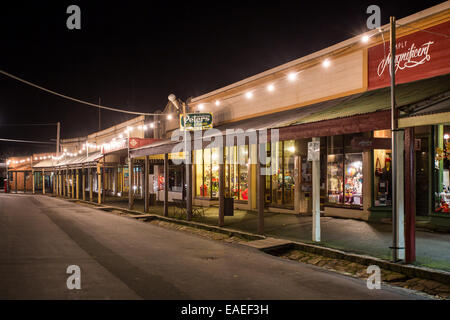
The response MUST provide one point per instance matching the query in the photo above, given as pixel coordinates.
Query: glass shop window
(344, 172)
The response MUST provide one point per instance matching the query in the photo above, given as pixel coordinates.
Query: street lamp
(176, 102)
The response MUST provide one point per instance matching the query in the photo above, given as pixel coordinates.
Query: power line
(424, 30)
(26, 141)
(26, 124)
(74, 99)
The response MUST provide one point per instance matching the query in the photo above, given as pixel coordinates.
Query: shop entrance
(422, 144)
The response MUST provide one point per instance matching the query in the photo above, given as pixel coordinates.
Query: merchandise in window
(441, 169)
(344, 172)
(382, 178)
(281, 184)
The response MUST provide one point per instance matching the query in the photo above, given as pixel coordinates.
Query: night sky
(133, 54)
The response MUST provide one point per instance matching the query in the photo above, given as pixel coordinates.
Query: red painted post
(410, 197)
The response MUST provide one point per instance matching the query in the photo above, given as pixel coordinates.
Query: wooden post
(221, 187)
(189, 187)
(260, 180)
(78, 183)
(130, 183)
(166, 184)
(66, 183)
(24, 182)
(91, 185)
(43, 181)
(73, 184)
(83, 184)
(99, 184)
(316, 198)
(410, 197)
(15, 180)
(33, 181)
(59, 182)
(146, 189)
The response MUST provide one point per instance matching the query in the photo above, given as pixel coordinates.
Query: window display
(382, 178)
(353, 179)
(442, 168)
(344, 172)
(335, 175)
(282, 182)
(236, 172)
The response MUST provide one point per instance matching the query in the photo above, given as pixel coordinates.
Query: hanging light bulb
(292, 76)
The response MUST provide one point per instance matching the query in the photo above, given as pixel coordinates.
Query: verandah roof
(360, 112)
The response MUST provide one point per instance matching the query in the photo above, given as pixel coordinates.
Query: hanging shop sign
(314, 151)
(419, 55)
(140, 142)
(196, 121)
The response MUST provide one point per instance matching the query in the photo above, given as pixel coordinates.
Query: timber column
(316, 196)
(43, 181)
(166, 184)
(73, 184)
(146, 190)
(130, 183)
(410, 197)
(83, 184)
(33, 181)
(91, 185)
(221, 187)
(99, 183)
(78, 183)
(260, 180)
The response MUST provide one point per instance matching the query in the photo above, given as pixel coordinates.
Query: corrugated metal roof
(69, 161)
(376, 100)
(361, 103)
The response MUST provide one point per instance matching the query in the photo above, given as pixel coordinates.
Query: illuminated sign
(196, 121)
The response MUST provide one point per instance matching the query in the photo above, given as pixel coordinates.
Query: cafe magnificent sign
(196, 121)
(419, 55)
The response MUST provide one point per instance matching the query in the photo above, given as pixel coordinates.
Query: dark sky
(133, 54)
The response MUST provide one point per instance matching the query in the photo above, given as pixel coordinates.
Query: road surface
(121, 258)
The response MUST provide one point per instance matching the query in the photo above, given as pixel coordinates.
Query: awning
(70, 162)
(44, 164)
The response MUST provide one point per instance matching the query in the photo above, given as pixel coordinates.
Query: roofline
(324, 52)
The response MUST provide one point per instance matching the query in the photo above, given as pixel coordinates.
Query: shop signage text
(196, 121)
(419, 55)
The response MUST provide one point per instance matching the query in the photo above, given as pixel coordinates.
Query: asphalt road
(121, 258)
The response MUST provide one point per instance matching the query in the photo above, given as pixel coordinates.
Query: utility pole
(58, 136)
(398, 247)
(99, 116)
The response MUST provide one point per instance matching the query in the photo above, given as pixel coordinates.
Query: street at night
(125, 259)
(225, 159)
